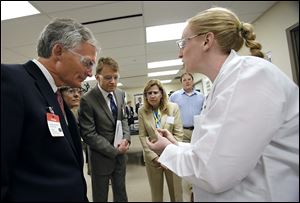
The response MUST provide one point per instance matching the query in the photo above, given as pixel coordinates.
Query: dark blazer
(129, 114)
(137, 106)
(97, 128)
(34, 165)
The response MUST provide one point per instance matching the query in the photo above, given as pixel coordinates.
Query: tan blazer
(147, 126)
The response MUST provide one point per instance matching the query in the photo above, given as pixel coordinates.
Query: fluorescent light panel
(162, 73)
(16, 9)
(93, 78)
(164, 32)
(159, 64)
(165, 81)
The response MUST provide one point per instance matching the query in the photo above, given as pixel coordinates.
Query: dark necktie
(113, 106)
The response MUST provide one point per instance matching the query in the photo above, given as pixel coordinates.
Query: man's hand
(123, 147)
(158, 145)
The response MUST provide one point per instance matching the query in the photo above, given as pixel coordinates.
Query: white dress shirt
(46, 74)
(245, 145)
(105, 95)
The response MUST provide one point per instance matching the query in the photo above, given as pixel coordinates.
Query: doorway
(293, 45)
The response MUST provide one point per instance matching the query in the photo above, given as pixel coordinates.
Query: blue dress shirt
(188, 105)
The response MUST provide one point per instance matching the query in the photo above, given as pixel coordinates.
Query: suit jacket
(97, 127)
(147, 126)
(35, 166)
(137, 106)
(129, 114)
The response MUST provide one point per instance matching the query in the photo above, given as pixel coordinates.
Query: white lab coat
(245, 145)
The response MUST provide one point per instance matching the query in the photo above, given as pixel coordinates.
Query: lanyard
(157, 118)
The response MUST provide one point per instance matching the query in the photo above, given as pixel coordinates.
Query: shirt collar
(46, 74)
(233, 55)
(104, 93)
(184, 92)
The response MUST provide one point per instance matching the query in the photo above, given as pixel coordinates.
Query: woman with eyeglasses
(157, 112)
(245, 143)
(72, 97)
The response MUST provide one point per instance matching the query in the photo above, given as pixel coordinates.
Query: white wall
(270, 31)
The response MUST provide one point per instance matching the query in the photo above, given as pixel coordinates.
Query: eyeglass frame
(110, 78)
(83, 60)
(73, 90)
(182, 42)
(155, 93)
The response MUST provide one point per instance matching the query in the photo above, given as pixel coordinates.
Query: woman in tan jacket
(157, 112)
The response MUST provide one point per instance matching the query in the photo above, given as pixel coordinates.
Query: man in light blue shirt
(190, 103)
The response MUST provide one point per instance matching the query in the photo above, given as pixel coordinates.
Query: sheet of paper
(118, 134)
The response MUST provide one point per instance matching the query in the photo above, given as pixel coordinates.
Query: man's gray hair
(66, 32)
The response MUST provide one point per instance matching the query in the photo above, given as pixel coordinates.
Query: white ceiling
(123, 39)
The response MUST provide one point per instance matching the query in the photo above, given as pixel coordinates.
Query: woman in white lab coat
(245, 145)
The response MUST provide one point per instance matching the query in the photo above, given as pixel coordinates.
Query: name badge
(170, 119)
(54, 125)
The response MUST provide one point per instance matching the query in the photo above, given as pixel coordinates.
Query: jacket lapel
(50, 98)
(102, 103)
(163, 120)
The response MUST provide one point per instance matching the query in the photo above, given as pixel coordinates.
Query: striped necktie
(113, 106)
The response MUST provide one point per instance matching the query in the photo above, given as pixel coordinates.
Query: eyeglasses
(110, 78)
(182, 42)
(87, 62)
(74, 91)
(155, 93)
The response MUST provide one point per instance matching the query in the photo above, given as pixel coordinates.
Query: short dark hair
(186, 73)
(106, 61)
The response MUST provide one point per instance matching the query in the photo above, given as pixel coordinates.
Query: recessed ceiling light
(164, 32)
(162, 73)
(93, 78)
(165, 81)
(16, 9)
(159, 64)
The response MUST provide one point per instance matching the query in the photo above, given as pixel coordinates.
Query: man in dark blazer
(98, 126)
(41, 154)
(138, 105)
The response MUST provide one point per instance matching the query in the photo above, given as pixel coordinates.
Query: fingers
(125, 142)
(164, 132)
(149, 143)
(161, 131)
(152, 144)
(123, 147)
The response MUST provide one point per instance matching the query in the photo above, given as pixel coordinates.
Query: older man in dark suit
(101, 111)
(41, 154)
